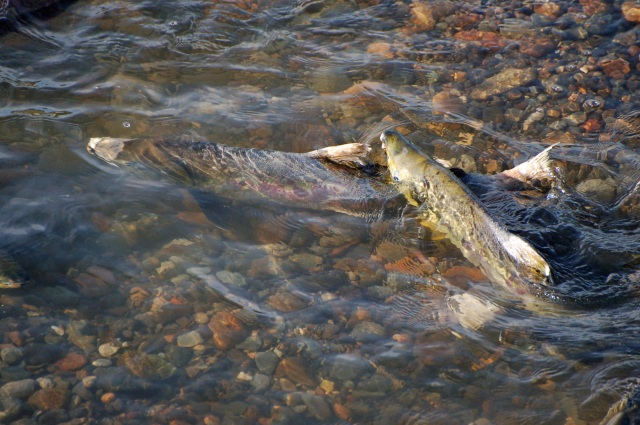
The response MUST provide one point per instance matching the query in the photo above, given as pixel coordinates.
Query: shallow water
(149, 299)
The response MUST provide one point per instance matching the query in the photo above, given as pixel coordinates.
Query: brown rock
(425, 15)
(547, 9)
(502, 82)
(295, 370)
(489, 40)
(107, 398)
(49, 399)
(591, 7)
(536, 46)
(70, 362)
(631, 11)
(615, 68)
(342, 411)
(286, 302)
(227, 330)
(91, 286)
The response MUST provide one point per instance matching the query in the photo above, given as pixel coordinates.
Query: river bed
(151, 301)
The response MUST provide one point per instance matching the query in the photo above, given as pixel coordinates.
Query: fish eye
(396, 178)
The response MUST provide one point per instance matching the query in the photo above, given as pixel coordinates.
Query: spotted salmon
(445, 201)
(323, 179)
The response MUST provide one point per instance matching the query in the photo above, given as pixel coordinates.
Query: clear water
(359, 312)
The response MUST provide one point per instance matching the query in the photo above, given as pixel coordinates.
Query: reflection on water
(149, 297)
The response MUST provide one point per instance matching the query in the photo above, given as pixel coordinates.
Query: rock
(11, 355)
(615, 68)
(78, 334)
(108, 349)
(179, 356)
(41, 354)
(21, 389)
(631, 11)
(49, 399)
(101, 363)
(230, 278)
(502, 82)
(149, 366)
(425, 15)
(318, 407)
(286, 301)
(367, 331)
(295, 369)
(190, 339)
(329, 79)
(600, 190)
(228, 330)
(306, 261)
(266, 362)
(347, 367)
(71, 362)
(260, 382)
(549, 9)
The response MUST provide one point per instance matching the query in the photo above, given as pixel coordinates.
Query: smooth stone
(502, 82)
(601, 190)
(190, 339)
(41, 354)
(11, 355)
(231, 278)
(77, 331)
(21, 389)
(102, 363)
(367, 331)
(49, 398)
(266, 362)
(347, 367)
(179, 356)
(318, 407)
(108, 349)
(260, 382)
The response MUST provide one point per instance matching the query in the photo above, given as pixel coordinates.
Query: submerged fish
(325, 179)
(456, 211)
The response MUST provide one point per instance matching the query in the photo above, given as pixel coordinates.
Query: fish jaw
(404, 159)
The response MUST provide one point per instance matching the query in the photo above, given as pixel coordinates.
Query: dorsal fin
(535, 169)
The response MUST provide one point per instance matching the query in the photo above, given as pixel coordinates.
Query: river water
(151, 301)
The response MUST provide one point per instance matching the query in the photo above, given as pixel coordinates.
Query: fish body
(504, 257)
(312, 180)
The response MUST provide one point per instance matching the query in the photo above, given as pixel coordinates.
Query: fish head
(404, 159)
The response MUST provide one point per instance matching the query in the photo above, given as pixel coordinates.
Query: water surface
(148, 298)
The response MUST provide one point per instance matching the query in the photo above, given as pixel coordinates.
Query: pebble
(21, 389)
(295, 369)
(102, 363)
(190, 339)
(71, 362)
(631, 11)
(348, 367)
(260, 382)
(318, 407)
(108, 349)
(49, 399)
(502, 82)
(11, 355)
(266, 362)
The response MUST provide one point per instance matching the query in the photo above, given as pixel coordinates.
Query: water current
(148, 300)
